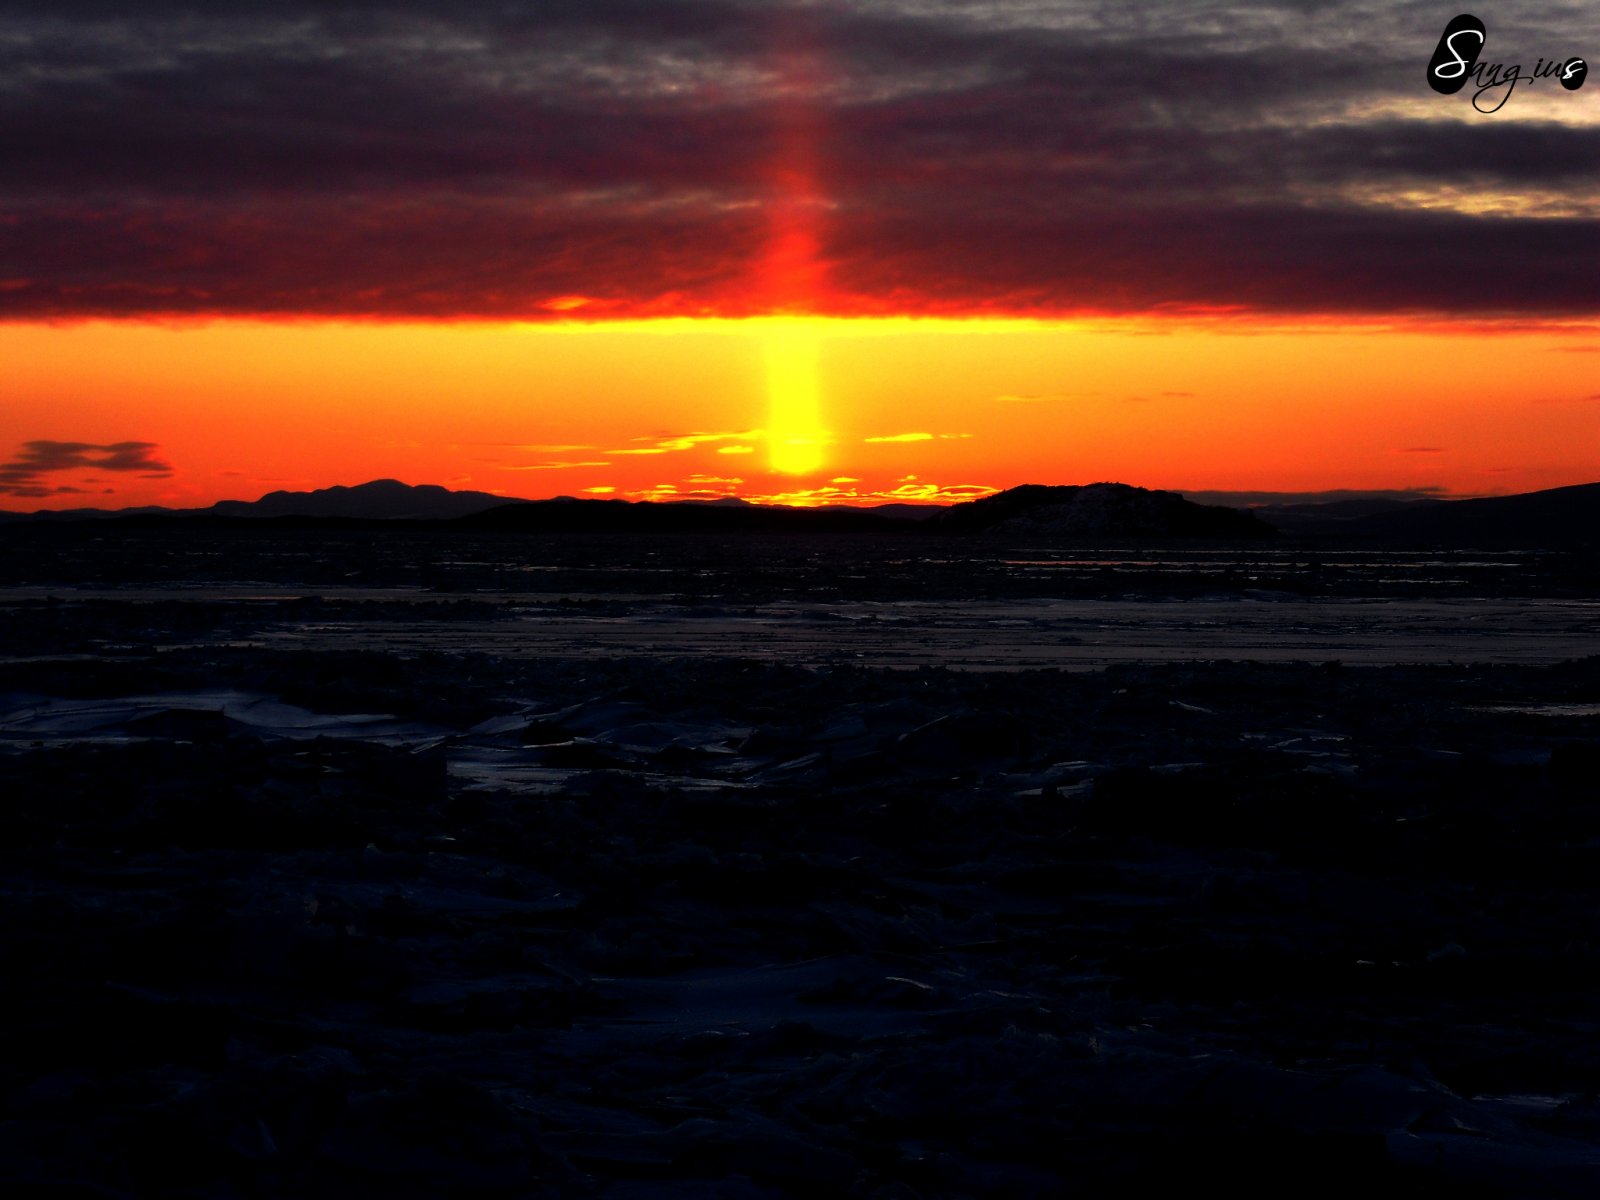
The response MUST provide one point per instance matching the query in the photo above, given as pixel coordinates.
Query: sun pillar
(792, 271)
(795, 437)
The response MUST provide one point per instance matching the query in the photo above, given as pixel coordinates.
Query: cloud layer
(622, 158)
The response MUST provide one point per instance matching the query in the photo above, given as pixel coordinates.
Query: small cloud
(713, 479)
(736, 449)
(919, 437)
(844, 479)
(566, 303)
(686, 441)
(556, 466)
(132, 456)
(22, 476)
(1041, 397)
(661, 491)
(600, 491)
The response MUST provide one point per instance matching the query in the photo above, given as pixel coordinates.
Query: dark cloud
(422, 159)
(24, 475)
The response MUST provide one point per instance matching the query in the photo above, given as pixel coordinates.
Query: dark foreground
(293, 906)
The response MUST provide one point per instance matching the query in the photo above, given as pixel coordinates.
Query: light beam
(795, 437)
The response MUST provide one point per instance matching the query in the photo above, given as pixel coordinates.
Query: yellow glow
(795, 436)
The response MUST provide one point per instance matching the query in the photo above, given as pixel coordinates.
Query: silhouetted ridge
(1559, 516)
(1096, 510)
(391, 500)
(382, 499)
(1566, 516)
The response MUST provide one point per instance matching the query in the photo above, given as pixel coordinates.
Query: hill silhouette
(1556, 517)
(1096, 510)
(377, 500)
(381, 499)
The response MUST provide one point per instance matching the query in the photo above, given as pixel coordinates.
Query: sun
(795, 437)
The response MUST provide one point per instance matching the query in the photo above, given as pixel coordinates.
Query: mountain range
(1559, 516)
(381, 499)
(391, 500)
(1094, 510)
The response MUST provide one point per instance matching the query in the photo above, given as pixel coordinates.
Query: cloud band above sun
(626, 159)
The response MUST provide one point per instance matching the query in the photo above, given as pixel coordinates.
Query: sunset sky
(833, 250)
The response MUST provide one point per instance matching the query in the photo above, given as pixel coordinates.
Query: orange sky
(900, 408)
(289, 249)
